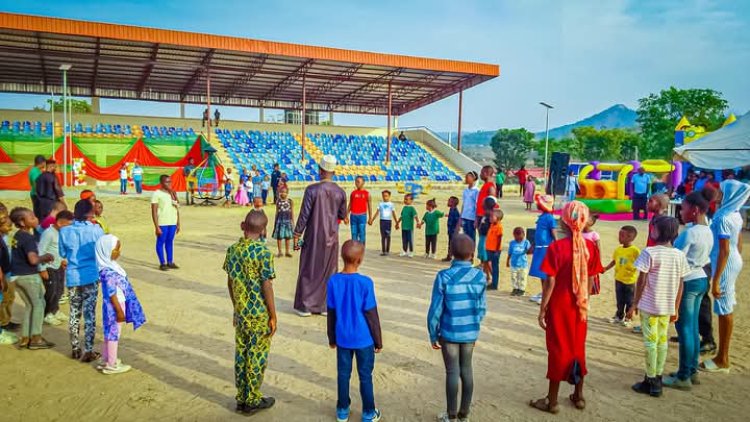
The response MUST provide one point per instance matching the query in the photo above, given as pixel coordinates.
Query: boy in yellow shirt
(626, 276)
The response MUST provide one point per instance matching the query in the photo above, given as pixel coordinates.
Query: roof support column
(460, 108)
(208, 102)
(261, 115)
(95, 105)
(304, 114)
(388, 129)
(182, 110)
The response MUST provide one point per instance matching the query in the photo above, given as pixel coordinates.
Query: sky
(580, 56)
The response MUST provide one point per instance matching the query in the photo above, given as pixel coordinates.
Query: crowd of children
(73, 251)
(663, 283)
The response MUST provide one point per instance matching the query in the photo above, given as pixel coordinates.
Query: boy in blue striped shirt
(456, 312)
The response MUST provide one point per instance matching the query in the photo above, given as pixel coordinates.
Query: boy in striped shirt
(456, 312)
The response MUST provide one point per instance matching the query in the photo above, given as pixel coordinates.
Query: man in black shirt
(217, 116)
(48, 190)
(275, 176)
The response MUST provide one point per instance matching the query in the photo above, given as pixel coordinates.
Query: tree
(658, 115)
(555, 145)
(76, 106)
(511, 147)
(593, 144)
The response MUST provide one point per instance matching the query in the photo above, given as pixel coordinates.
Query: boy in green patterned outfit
(250, 271)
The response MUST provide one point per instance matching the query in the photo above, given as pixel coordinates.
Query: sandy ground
(183, 356)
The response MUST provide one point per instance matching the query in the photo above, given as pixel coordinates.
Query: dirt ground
(183, 356)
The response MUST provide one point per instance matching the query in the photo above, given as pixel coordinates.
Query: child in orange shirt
(494, 246)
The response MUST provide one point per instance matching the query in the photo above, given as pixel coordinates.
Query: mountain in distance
(616, 117)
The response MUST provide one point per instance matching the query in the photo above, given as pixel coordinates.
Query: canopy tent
(727, 148)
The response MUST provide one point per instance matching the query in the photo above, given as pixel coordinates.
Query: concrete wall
(455, 158)
(92, 119)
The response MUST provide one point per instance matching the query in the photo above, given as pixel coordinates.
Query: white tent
(726, 148)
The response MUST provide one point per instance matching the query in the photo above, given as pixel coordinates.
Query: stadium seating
(357, 155)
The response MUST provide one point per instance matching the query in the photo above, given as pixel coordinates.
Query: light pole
(546, 140)
(65, 68)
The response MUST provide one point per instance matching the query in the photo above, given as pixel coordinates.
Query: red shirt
(358, 201)
(48, 221)
(483, 194)
(522, 176)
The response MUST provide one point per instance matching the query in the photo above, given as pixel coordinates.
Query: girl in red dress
(571, 264)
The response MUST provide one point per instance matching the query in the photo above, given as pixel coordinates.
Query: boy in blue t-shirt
(354, 330)
(518, 249)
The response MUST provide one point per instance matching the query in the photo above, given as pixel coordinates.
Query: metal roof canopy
(129, 62)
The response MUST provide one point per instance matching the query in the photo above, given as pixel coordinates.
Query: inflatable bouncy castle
(605, 187)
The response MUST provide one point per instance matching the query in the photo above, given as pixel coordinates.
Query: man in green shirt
(34, 173)
(408, 217)
(431, 220)
(499, 180)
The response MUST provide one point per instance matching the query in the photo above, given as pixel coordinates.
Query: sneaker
(61, 316)
(64, 298)
(50, 319)
(708, 348)
(6, 337)
(163, 267)
(410, 254)
(426, 256)
(371, 417)
(615, 320)
(402, 254)
(117, 369)
(342, 415)
(626, 322)
(466, 419)
(674, 382)
(443, 417)
(303, 314)
(537, 298)
(383, 254)
(173, 266)
(637, 329)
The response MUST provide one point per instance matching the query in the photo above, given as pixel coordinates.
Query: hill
(617, 116)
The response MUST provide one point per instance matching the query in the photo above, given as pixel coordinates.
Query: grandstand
(128, 62)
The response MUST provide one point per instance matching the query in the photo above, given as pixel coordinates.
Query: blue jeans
(123, 185)
(469, 230)
(138, 185)
(359, 227)
(494, 258)
(687, 326)
(165, 243)
(365, 365)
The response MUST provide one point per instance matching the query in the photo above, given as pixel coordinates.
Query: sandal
(42, 344)
(579, 403)
(288, 255)
(544, 406)
(710, 366)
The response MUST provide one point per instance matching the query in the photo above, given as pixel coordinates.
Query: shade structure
(726, 148)
(130, 62)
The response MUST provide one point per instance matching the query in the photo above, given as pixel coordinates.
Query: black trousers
(624, 294)
(430, 243)
(275, 193)
(35, 206)
(450, 243)
(500, 190)
(407, 240)
(54, 287)
(639, 204)
(385, 235)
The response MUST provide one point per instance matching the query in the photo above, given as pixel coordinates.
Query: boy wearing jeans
(354, 330)
(360, 210)
(457, 308)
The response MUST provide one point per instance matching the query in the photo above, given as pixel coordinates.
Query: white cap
(328, 163)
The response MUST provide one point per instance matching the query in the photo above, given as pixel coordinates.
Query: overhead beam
(197, 74)
(147, 70)
(289, 80)
(439, 95)
(238, 83)
(342, 77)
(405, 90)
(382, 80)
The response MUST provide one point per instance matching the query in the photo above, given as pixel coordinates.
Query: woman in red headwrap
(570, 264)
